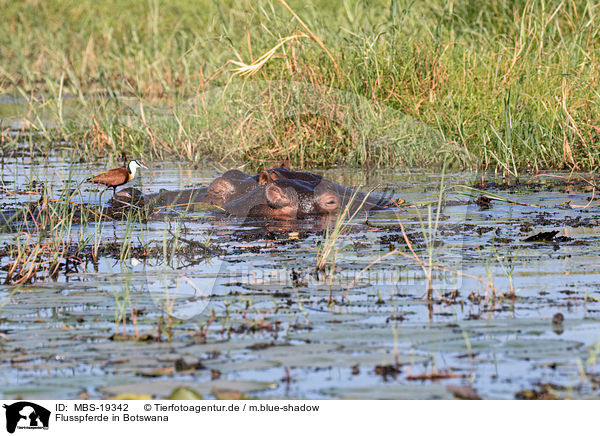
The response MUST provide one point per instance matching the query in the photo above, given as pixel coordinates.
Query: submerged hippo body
(286, 173)
(182, 198)
(232, 185)
(286, 199)
(126, 197)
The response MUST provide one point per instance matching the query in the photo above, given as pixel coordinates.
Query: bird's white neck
(133, 166)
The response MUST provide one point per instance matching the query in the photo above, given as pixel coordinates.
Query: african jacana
(118, 176)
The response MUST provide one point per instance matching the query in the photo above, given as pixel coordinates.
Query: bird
(118, 176)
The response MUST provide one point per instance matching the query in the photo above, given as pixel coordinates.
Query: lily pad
(391, 392)
(184, 393)
(163, 388)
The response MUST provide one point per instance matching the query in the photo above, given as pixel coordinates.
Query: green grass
(491, 84)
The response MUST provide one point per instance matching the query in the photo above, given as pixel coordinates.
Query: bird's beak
(142, 165)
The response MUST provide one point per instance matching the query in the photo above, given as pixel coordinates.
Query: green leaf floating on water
(228, 395)
(130, 397)
(163, 388)
(184, 393)
(391, 392)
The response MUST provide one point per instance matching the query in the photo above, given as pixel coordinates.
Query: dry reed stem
(191, 204)
(585, 206)
(312, 35)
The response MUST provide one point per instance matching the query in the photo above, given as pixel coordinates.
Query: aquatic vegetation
(231, 298)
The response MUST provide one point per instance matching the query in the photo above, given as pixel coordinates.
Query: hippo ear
(285, 164)
(263, 178)
(276, 197)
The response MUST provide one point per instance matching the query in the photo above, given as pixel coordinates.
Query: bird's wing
(116, 176)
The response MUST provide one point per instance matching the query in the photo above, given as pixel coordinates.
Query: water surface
(248, 312)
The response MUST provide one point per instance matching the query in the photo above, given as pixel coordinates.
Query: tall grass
(497, 83)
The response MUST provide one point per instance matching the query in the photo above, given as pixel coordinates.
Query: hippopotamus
(278, 193)
(346, 194)
(286, 199)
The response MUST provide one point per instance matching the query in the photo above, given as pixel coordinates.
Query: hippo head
(286, 198)
(282, 200)
(228, 187)
(296, 198)
(326, 199)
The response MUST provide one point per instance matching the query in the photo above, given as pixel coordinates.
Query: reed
(507, 85)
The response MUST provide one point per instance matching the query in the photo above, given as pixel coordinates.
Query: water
(244, 309)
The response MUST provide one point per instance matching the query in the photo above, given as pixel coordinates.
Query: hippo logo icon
(26, 415)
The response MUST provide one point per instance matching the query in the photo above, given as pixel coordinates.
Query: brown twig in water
(191, 204)
(558, 176)
(585, 206)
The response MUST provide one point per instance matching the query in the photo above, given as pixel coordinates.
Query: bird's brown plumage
(113, 178)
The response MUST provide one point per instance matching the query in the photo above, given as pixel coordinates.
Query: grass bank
(506, 84)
